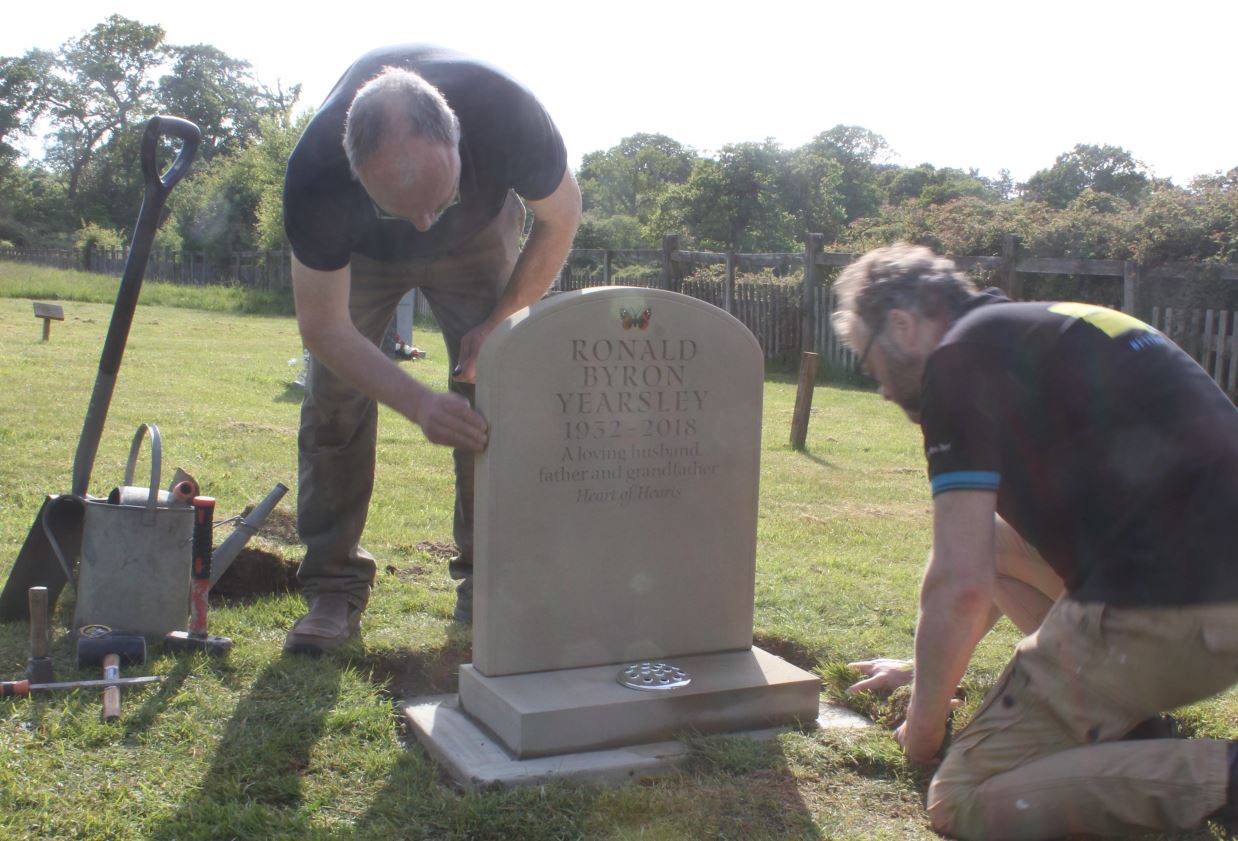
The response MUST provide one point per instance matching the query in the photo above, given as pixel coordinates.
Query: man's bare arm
(327, 330)
(555, 219)
(956, 604)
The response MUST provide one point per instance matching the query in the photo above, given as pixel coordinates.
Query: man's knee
(951, 801)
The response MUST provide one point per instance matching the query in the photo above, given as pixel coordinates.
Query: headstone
(616, 502)
(615, 528)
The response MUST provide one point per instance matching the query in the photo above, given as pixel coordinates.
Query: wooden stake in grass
(803, 399)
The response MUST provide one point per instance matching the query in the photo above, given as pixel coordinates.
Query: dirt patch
(408, 572)
(262, 570)
(793, 652)
(410, 674)
(280, 526)
(439, 551)
(256, 572)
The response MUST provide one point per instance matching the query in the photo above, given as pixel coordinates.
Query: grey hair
(396, 100)
(898, 276)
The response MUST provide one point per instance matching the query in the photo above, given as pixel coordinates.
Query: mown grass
(260, 746)
(24, 281)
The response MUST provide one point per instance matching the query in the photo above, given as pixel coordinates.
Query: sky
(972, 84)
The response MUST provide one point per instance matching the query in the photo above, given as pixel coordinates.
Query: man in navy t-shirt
(410, 175)
(1084, 473)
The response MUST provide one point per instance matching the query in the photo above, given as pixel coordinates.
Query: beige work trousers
(1042, 757)
(339, 425)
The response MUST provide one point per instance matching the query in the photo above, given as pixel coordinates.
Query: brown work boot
(332, 621)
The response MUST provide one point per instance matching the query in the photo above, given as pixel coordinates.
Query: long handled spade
(37, 564)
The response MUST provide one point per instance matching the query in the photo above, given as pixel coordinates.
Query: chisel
(22, 688)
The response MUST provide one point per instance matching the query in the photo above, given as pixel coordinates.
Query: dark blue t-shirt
(507, 142)
(1111, 451)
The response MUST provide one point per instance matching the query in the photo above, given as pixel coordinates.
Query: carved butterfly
(630, 321)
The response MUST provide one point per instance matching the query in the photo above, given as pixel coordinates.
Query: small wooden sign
(47, 312)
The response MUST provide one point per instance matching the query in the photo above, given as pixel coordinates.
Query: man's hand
(470, 346)
(921, 744)
(884, 675)
(447, 419)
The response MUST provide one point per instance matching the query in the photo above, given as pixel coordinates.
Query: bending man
(410, 175)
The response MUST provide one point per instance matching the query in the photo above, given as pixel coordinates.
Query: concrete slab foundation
(476, 760)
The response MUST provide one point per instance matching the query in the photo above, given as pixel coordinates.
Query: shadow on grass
(403, 674)
(729, 787)
(745, 789)
(816, 459)
(254, 781)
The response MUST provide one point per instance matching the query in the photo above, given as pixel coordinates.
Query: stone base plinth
(573, 710)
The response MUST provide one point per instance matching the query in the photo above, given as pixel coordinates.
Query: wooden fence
(1209, 336)
(789, 317)
(785, 317)
(267, 270)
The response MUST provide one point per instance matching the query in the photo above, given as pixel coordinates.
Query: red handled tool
(197, 639)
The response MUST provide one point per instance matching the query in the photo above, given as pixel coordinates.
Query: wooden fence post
(1131, 302)
(813, 244)
(606, 273)
(670, 277)
(803, 399)
(728, 285)
(1010, 282)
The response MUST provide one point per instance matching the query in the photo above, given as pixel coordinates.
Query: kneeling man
(1084, 475)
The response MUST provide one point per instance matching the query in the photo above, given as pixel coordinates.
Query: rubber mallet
(196, 638)
(39, 667)
(97, 645)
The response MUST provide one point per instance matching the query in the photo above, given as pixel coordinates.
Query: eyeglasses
(384, 216)
(868, 346)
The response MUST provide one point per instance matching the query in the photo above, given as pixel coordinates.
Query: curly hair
(898, 276)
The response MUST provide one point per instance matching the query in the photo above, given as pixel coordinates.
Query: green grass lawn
(265, 747)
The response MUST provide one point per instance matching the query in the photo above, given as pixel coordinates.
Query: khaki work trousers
(1042, 757)
(339, 425)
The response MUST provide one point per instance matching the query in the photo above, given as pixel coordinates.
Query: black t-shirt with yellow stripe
(1111, 451)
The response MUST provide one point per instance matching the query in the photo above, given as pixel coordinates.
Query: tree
(812, 190)
(1102, 169)
(860, 153)
(32, 206)
(734, 202)
(221, 96)
(1196, 224)
(96, 92)
(926, 184)
(104, 87)
(618, 231)
(627, 179)
(22, 98)
(235, 202)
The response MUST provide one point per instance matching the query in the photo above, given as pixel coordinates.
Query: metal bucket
(135, 568)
